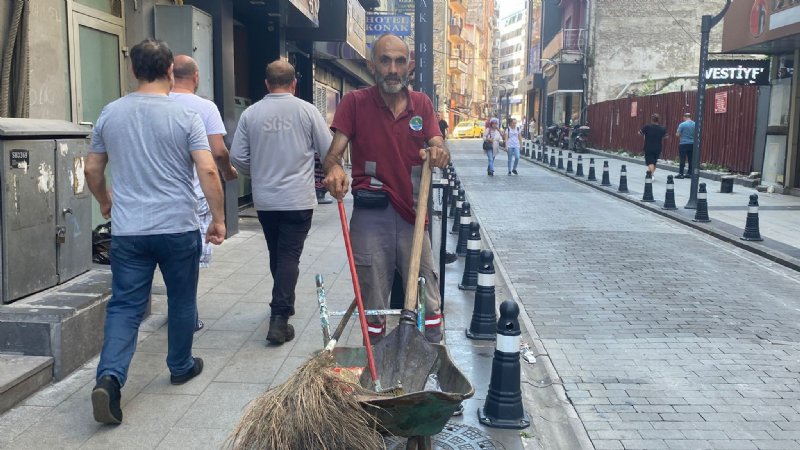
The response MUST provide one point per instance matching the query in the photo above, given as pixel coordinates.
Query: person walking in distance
(152, 144)
(391, 130)
(187, 80)
(443, 127)
(512, 138)
(491, 139)
(274, 145)
(686, 144)
(654, 135)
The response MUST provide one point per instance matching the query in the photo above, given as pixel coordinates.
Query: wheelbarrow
(416, 415)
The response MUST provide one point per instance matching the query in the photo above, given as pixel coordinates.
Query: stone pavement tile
(237, 284)
(15, 421)
(241, 317)
(722, 417)
(643, 444)
(706, 435)
(55, 393)
(615, 434)
(193, 439)
(215, 305)
(687, 444)
(607, 444)
(777, 445)
(146, 420)
(220, 406)
(732, 445)
(221, 340)
(254, 362)
(748, 434)
(794, 434)
(66, 426)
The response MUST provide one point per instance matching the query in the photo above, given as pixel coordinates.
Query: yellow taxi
(468, 129)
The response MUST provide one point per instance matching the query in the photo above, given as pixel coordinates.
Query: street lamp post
(548, 70)
(705, 29)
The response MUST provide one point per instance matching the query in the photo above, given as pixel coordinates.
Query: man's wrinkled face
(391, 66)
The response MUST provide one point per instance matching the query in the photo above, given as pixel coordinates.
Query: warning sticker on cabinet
(20, 159)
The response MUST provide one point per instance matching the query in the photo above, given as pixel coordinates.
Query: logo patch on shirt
(415, 123)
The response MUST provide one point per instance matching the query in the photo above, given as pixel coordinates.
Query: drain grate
(453, 437)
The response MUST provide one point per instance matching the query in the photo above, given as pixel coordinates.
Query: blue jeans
(133, 261)
(490, 155)
(513, 155)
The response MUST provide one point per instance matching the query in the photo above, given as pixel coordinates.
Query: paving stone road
(663, 337)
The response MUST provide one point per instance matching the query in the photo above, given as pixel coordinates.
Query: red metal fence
(728, 136)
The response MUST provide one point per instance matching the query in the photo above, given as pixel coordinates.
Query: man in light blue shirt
(686, 145)
(153, 144)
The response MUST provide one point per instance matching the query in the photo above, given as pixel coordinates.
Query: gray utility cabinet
(45, 206)
(189, 31)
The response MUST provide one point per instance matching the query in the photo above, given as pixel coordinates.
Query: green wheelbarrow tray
(418, 413)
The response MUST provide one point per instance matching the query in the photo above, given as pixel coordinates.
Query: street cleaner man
(153, 144)
(391, 130)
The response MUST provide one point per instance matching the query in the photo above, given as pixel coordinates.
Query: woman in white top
(494, 136)
(512, 137)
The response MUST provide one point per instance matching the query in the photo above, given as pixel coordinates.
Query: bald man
(391, 130)
(274, 145)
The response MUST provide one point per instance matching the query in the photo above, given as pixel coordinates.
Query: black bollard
(560, 161)
(591, 177)
(483, 326)
(751, 232)
(469, 281)
(606, 176)
(453, 195)
(552, 158)
(463, 231)
(623, 180)
(539, 154)
(579, 170)
(569, 162)
(503, 407)
(458, 207)
(669, 198)
(648, 188)
(701, 214)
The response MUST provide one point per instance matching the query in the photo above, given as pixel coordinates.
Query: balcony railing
(570, 41)
(455, 32)
(457, 66)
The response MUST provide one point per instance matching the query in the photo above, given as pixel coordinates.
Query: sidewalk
(778, 214)
(233, 302)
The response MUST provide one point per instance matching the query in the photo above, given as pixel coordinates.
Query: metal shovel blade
(404, 359)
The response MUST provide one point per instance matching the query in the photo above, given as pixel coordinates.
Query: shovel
(404, 359)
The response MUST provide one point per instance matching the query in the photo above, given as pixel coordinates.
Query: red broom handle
(362, 318)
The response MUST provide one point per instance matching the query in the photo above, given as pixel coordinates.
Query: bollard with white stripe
(469, 280)
(592, 176)
(503, 407)
(648, 188)
(483, 326)
(539, 154)
(453, 194)
(751, 231)
(552, 158)
(701, 214)
(463, 231)
(560, 161)
(569, 162)
(579, 170)
(606, 176)
(669, 197)
(623, 180)
(459, 207)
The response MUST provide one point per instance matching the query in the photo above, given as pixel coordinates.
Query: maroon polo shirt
(384, 150)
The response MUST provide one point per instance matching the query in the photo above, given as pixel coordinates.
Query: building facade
(513, 31)
(772, 28)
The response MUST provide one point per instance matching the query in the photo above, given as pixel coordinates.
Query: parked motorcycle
(553, 135)
(565, 134)
(580, 138)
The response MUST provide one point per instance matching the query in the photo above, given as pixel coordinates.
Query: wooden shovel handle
(419, 234)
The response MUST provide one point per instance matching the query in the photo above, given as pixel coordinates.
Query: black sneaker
(322, 199)
(509, 173)
(514, 172)
(196, 369)
(105, 400)
(199, 325)
(450, 258)
(680, 176)
(280, 330)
